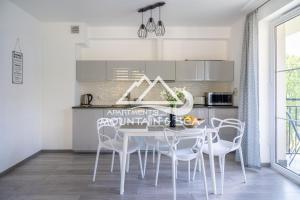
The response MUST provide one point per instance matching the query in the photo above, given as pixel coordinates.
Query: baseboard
(19, 163)
(265, 164)
(57, 151)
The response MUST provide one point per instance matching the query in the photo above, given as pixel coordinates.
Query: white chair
(114, 142)
(222, 147)
(149, 142)
(173, 138)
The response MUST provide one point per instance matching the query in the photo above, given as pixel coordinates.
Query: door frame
(295, 12)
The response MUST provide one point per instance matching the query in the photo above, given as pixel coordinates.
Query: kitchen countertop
(131, 106)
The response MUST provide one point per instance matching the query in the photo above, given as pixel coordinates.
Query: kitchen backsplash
(107, 93)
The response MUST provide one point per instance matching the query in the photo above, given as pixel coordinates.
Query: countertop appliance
(86, 99)
(219, 98)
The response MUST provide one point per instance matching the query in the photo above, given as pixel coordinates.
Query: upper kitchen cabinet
(90, 70)
(189, 70)
(125, 70)
(164, 69)
(219, 70)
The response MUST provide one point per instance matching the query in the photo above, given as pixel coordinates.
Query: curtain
(248, 101)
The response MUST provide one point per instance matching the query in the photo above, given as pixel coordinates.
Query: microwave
(219, 99)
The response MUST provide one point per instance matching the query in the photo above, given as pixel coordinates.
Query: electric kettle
(86, 99)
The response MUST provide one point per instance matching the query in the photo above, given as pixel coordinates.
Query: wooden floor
(67, 176)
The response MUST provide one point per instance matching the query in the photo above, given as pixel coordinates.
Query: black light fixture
(160, 28)
(151, 26)
(142, 32)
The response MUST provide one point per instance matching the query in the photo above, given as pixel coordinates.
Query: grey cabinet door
(189, 70)
(125, 70)
(219, 70)
(201, 113)
(164, 69)
(90, 70)
(225, 113)
(85, 136)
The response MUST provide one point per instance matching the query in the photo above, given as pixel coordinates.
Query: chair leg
(141, 165)
(174, 166)
(199, 160)
(127, 163)
(204, 175)
(96, 162)
(222, 165)
(120, 157)
(189, 171)
(242, 164)
(157, 168)
(195, 168)
(112, 162)
(145, 160)
(153, 155)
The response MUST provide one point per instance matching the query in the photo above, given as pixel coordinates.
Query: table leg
(123, 169)
(212, 163)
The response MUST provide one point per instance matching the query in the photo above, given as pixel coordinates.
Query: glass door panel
(288, 95)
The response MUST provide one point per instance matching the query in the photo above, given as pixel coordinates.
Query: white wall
(179, 43)
(21, 105)
(59, 84)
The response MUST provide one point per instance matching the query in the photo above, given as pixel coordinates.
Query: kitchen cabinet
(125, 70)
(85, 136)
(164, 69)
(190, 70)
(201, 113)
(219, 70)
(90, 70)
(225, 113)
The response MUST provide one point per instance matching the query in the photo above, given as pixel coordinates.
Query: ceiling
(123, 12)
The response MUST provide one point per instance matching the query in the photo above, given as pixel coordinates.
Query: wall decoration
(17, 64)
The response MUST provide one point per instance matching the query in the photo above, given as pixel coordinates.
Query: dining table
(143, 130)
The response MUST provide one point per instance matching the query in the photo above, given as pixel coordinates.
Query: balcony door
(287, 97)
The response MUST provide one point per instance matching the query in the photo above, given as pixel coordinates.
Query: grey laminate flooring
(67, 176)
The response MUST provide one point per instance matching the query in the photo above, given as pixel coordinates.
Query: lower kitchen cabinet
(225, 113)
(85, 136)
(201, 113)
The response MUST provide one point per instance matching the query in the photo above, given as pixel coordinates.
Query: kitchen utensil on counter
(199, 100)
(86, 99)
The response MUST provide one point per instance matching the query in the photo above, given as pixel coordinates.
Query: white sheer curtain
(248, 106)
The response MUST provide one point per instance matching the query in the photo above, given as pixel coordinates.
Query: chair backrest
(103, 123)
(235, 124)
(173, 138)
(293, 123)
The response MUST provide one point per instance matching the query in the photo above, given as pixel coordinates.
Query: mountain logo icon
(139, 101)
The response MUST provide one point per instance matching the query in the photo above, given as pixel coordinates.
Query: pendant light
(151, 26)
(142, 32)
(160, 28)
